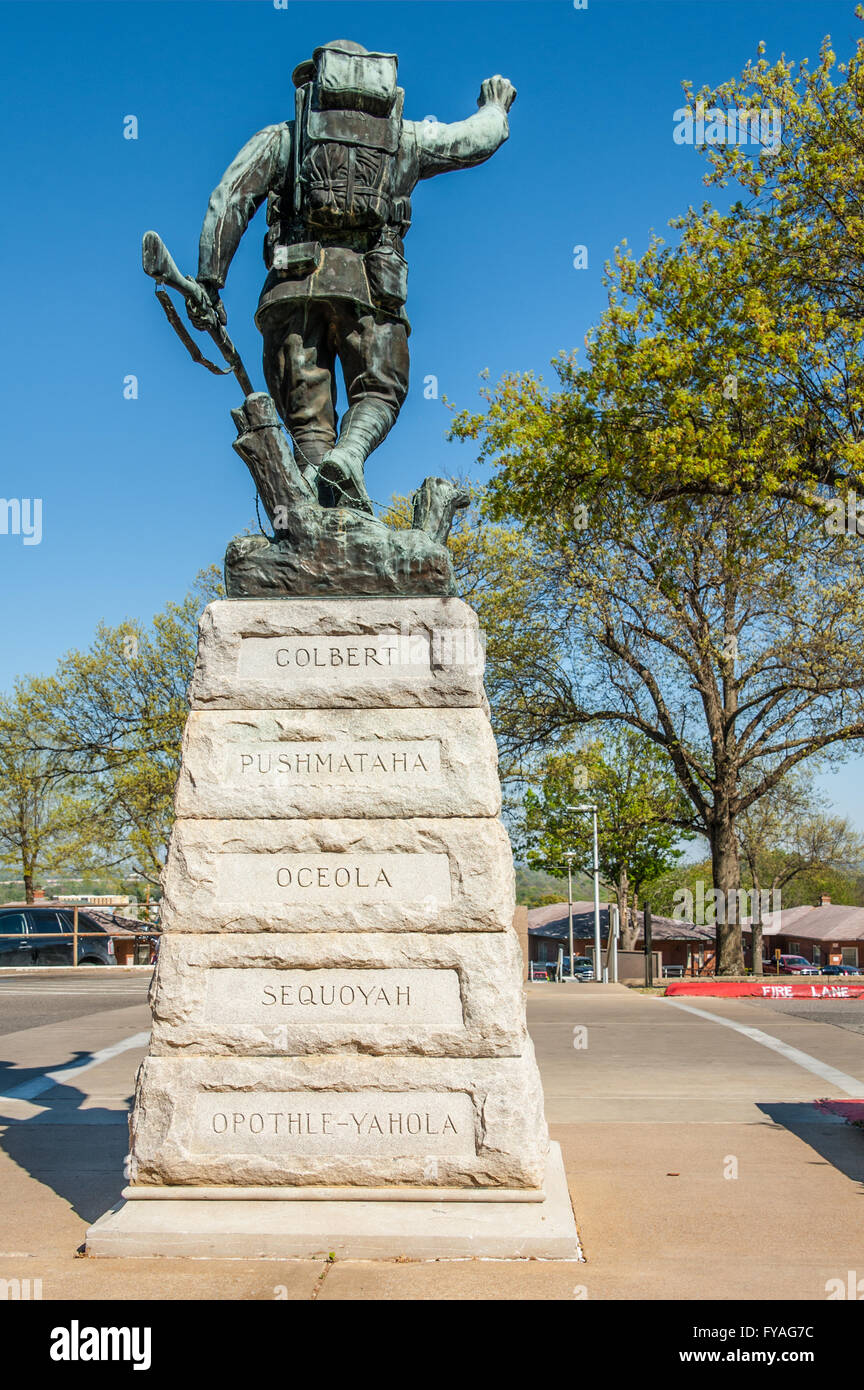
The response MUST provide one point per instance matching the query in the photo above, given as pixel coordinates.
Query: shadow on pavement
(838, 1143)
(77, 1152)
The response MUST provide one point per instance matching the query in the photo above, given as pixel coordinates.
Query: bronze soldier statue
(338, 180)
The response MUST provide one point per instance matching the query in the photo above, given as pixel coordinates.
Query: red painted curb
(783, 988)
(851, 1110)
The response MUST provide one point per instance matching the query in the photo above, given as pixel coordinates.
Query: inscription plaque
(363, 764)
(322, 879)
(360, 657)
(342, 659)
(394, 998)
(335, 1123)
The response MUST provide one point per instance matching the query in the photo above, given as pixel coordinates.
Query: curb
(762, 989)
(90, 972)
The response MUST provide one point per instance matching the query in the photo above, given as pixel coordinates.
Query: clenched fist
(498, 90)
(205, 308)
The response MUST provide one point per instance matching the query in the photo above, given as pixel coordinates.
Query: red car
(790, 965)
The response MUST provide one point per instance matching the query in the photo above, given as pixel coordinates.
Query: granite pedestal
(339, 1059)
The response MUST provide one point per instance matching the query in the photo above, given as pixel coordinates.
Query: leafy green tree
(670, 491)
(500, 572)
(786, 835)
(46, 818)
(842, 885)
(682, 885)
(639, 810)
(803, 214)
(115, 715)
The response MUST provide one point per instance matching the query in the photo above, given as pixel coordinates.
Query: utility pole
(612, 943)
(596, 898)
(649, 959)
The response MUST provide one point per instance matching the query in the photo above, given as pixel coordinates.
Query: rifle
(160, 266)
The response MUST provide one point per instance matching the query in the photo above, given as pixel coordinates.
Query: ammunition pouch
(297, 260)
(387, 273)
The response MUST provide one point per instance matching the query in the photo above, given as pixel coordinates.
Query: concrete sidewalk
(698, 1165)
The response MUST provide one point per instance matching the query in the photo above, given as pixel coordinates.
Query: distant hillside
(58, 886)
(534, 888)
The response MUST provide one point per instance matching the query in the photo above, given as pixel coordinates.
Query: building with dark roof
(679, 944)
(828, 934)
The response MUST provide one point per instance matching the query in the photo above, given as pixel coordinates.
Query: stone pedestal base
(386, 1228)
(338, 1014)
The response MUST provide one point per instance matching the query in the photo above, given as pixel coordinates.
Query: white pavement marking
(840, 1079)
(38, 1084)
(108, 990)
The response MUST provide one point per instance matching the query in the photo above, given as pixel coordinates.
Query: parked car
(583, 969)
(44, 936)
(840, 970)
(790, 965)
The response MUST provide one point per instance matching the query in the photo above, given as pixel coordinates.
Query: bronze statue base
(326, 552)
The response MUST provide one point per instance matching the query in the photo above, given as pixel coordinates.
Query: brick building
(828, 934)
(678, 943)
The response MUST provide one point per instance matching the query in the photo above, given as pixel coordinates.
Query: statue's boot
(363, 428)
(309, 450)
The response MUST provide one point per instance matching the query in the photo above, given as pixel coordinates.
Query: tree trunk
(28, 887)
(757, 948)
(629, 930)
(726, 873)
(634, 924)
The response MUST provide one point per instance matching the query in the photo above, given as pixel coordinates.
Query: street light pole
(569, 857)
(597, 955)
(597, 967)
(596, 898)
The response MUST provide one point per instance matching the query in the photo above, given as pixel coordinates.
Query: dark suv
(43, 936)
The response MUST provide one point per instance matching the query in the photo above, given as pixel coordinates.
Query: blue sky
(140, 494)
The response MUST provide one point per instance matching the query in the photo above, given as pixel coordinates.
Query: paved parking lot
(33, 1003)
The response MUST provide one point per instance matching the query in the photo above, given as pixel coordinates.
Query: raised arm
(462, 144)
(262, 164)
